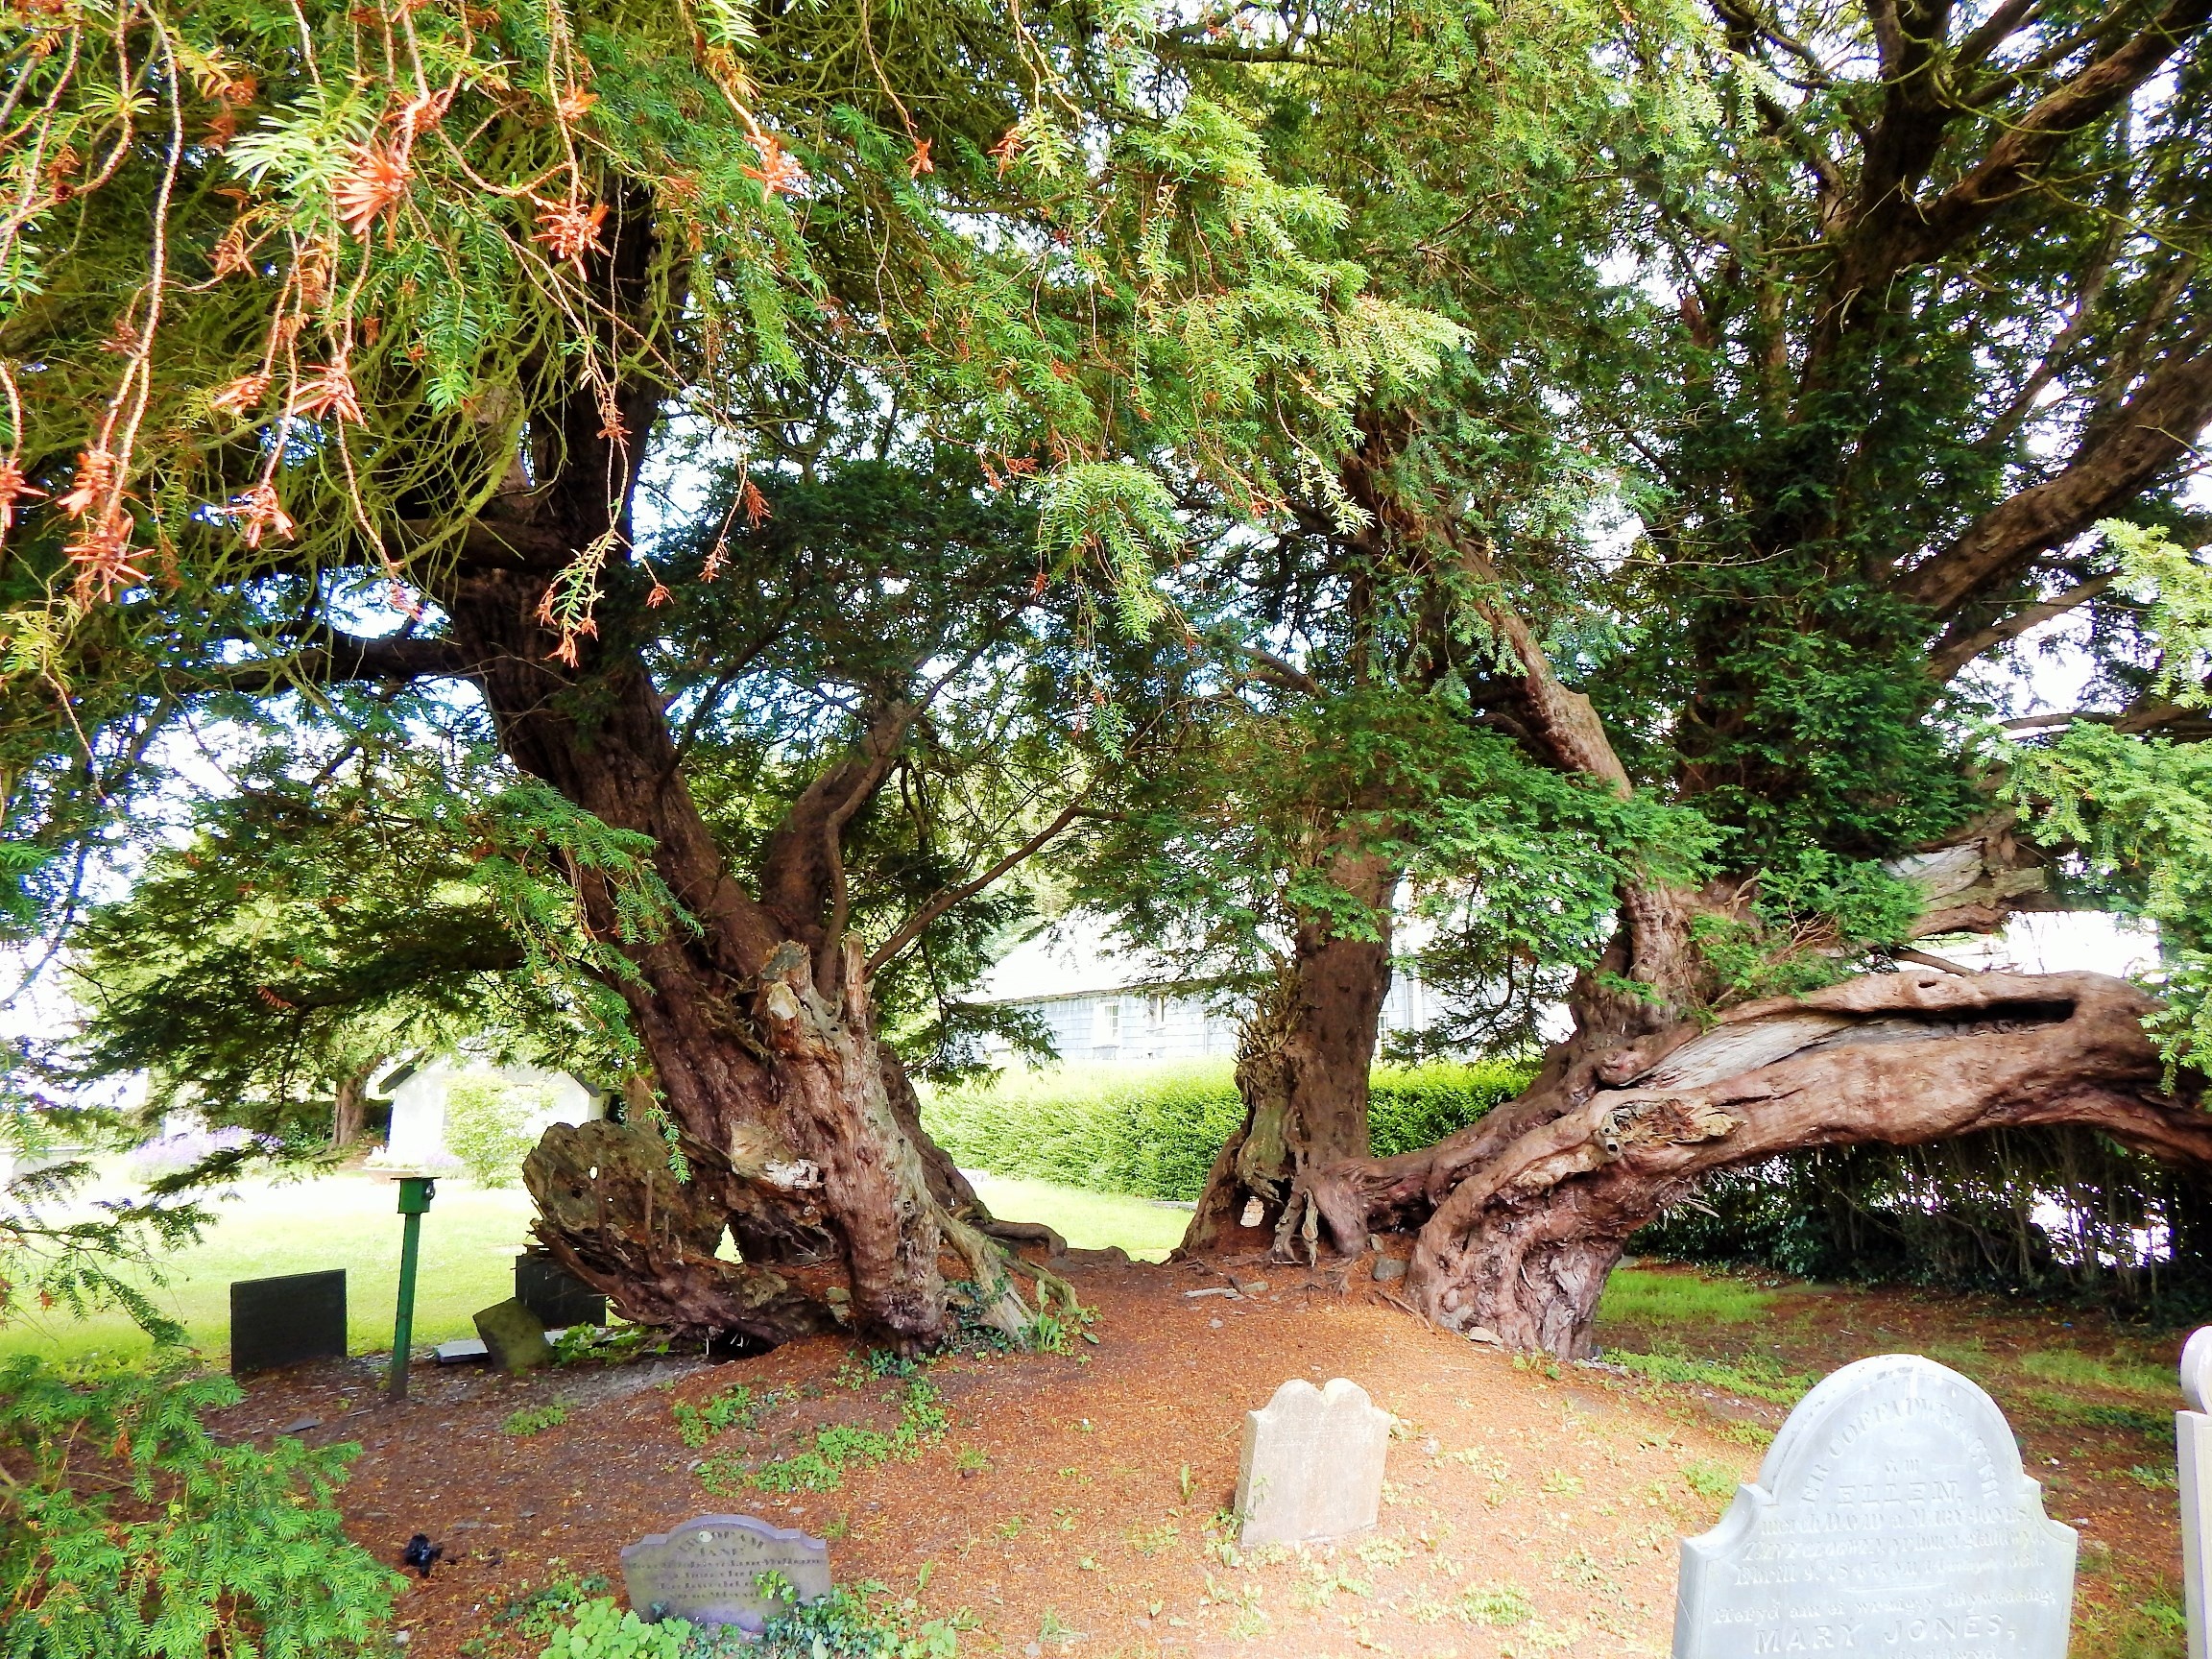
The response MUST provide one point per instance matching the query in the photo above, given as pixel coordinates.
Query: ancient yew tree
(340, 343)
(1860, 320)
(694, 496)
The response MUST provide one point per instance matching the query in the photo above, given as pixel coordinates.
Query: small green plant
(1186, 1481)
(2128, 1620)
(122, 1524)
(610, 1345)
(2161, 1480)
(1754, 1376)
(534, 1615)
(1051, 1629)
(822, 1466)
(1496, 1605)
(1149, 1541)
(735, 1408)
(1557, 1482)
(970, 1460)
(534, 1419)
(1708, 1480)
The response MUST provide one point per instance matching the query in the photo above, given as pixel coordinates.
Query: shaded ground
(1074, 1502)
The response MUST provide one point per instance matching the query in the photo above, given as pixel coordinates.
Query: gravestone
(1312, 1465)
(2193, 1460)
(710, 1571)
(555, 1295)
(1891, 1516)
(514, 1340)
(287, 1320)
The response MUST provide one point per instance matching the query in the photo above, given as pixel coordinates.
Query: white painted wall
(416, 1138)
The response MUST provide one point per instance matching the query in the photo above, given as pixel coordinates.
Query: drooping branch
(2028, 141)
(1959, 647)
(327, 656)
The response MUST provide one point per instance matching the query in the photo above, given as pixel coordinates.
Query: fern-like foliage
(127, 1533)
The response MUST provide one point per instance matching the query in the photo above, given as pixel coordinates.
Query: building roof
(1072, 958)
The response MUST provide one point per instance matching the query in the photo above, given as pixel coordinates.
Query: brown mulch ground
(1073, 1503)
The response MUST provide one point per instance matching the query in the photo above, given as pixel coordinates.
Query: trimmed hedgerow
(1153, 1130)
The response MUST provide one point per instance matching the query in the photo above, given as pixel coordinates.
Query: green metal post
(415, 1194)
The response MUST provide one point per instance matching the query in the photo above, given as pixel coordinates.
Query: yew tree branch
(913, 928)
(2156, 427)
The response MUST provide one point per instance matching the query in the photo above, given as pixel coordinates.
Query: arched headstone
(1892, 1517)
(2193, 1462)
(724, 1570)
(1311, 1469)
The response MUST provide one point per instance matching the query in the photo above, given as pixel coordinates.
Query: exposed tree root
(1521, 1217)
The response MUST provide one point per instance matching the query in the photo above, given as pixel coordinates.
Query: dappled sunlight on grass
(470, 1240)
(1632, 1294)
(1087, 1220)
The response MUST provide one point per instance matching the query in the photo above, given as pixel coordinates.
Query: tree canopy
(683, 524)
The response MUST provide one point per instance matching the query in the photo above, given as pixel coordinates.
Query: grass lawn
(470, 1240)
(1087, 1220)
(1681, 1299)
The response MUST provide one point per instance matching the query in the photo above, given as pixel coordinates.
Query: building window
(1106, 1028)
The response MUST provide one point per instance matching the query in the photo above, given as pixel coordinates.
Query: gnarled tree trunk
(1521, 1217)
(798, 1128)
(349, 1112)
(759, 1027)
(1302, 1066)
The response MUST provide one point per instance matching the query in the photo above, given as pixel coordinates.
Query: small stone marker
(1312, 1464)
(287, 1320)
(514, 1340)
(2193, 1458)
(1891, 1517)
(710, 1570)
(556, 1296)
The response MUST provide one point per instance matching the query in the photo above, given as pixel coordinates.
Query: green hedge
(1153, 1130)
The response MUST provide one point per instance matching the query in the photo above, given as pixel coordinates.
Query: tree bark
(757, 1023)
(350, 1112)
(1519, 1218)
(1302, 1068)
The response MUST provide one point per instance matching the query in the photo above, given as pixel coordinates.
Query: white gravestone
(2193, 1461)
(1312, 1465)
(711, 1570)
(1890, 1518)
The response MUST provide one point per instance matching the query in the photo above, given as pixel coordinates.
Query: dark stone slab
(711, 1570)
(287, 1320)
(514, 1339)
(555, 1295)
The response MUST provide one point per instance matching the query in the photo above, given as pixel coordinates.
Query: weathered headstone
(287, 1320)
(1892, 1517)
(1312, 1464)
(555, 1295)
(711, 1570)
(514, 1339)
(2193, 1460)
